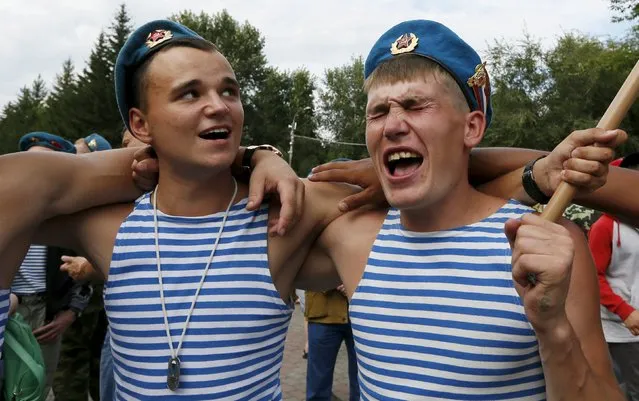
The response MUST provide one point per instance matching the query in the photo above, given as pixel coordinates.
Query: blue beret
(436, 42)
(46, 140)
(144, 42)
(96, 142)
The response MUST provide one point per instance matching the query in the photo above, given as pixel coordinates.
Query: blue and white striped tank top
(32, 275)
(234, 344)
(436, 316)
(4, 314)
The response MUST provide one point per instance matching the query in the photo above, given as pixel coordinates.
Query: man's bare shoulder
(357, 228)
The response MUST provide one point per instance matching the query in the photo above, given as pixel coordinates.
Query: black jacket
(62, 291)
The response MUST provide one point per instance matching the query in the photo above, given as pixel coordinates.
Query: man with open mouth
(198, 293)
(440, 299)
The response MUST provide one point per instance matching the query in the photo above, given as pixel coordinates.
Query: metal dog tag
(173, 374)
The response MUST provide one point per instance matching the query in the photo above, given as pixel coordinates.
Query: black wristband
(248, 155)
(530, 186)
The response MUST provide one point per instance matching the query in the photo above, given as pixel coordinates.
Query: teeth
(401, 155)
(219, 131)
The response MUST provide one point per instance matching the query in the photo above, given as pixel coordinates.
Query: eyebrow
(379, 107)
(197, 82)
(186, 85)
(230, 81)
(405, 101)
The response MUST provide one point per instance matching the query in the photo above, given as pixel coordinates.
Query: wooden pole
(611, 119)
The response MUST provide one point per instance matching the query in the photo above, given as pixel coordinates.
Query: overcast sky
(36, 36)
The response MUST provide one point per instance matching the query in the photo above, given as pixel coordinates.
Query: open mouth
(403, 163)
(212, 135)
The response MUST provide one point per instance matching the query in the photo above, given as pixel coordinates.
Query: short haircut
(407, 67)
(139, 80)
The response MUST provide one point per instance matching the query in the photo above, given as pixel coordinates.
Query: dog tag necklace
(173, 370)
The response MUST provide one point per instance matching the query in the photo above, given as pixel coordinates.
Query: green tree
(283, 99)
(519, 80)
(624, 10)
(308, 149)
(539, 96)
(342, 108)
(96, 93)
(62, 104)
(23, 116)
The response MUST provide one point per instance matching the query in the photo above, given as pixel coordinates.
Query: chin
(404, 200)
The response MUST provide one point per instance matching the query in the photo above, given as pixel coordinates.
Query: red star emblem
(158, 36)
(404, 41)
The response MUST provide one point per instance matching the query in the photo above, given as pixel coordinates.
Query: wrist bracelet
(530, 186)
(248, 155)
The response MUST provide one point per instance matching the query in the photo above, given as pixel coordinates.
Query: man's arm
(576, 351)
(574, 160)
(498, 171)
(80, 269)
(80, 296)
(318, 272)
(38, 185)
(600, 239)
(600, 244)
(269, 175)
(563, 308)
(71, 183)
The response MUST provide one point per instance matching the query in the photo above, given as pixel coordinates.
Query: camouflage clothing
(78, 371)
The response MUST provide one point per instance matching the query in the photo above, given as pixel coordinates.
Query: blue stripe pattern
(31, 277)
(4, 314)
(234, 346)
(436, 316)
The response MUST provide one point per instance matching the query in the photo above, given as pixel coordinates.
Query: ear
(475, 128)
(139, 126)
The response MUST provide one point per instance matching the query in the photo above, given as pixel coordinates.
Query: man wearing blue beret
(49, 300)
(44, 141)
(440, 301)
(77, 375)
(92, 143)
(198, 291)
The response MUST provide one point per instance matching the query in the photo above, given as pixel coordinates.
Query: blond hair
(409, 67)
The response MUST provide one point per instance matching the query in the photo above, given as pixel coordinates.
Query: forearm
(617, 197)
(94, 179)
(240, 171)
(567, 372)
(498, 171)
(487, 164)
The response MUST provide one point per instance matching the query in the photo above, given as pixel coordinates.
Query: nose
(395, 123)
(215, 105)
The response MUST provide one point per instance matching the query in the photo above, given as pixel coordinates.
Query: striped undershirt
(436, 316)
(31, 277)
(4, 312)
(234, 344)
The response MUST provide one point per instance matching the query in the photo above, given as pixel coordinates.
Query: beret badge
(480, 84)
(404, 44)
(157, 36)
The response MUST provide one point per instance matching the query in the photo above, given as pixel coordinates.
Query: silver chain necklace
(173, 371)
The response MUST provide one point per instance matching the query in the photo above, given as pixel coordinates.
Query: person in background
(328, 326)
(614, 245)
(49, 300)
(78, 373)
